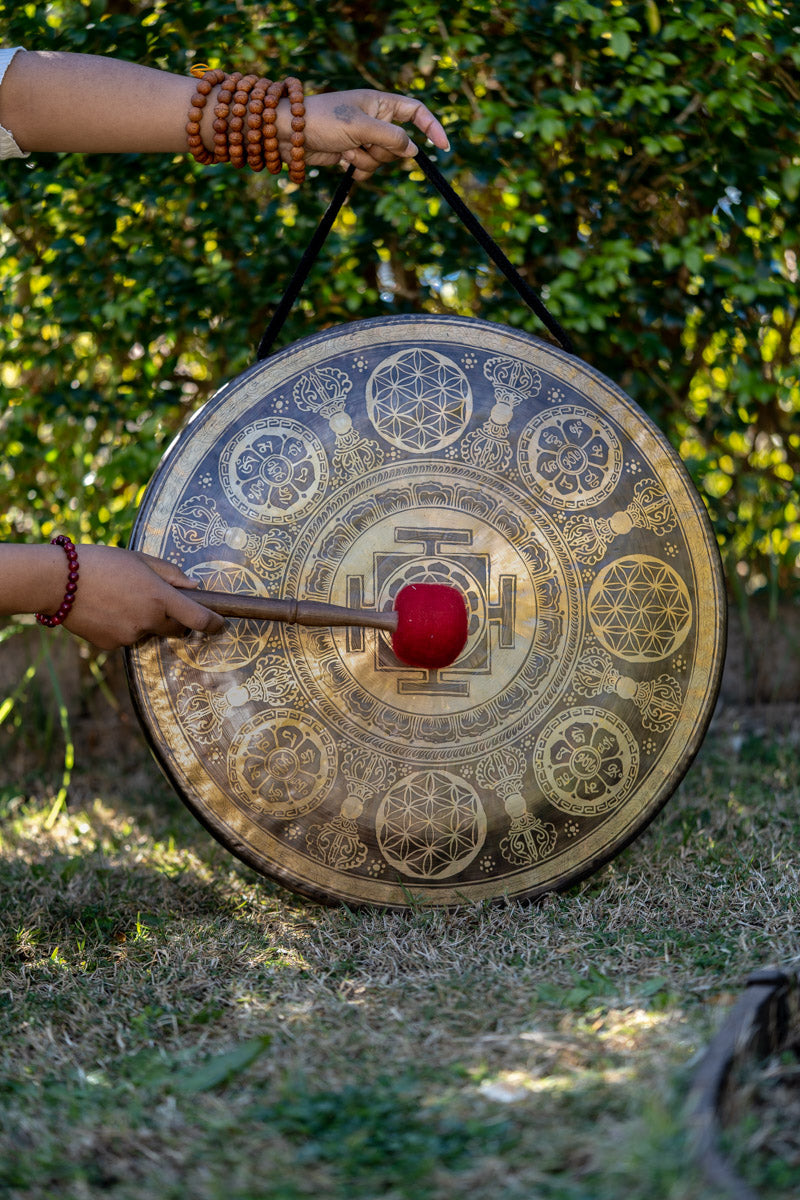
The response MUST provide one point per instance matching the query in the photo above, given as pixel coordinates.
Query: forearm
(122, 596)
(32, 578)
(84, 103)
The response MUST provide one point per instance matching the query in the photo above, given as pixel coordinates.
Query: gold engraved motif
(318, 757)
(198, 526)
(659, 700)
(241, 642)
(271, 682)
(419, 400)
(640, 608)
(273, 470)
(203, 710)
(200, 712)
(514, 382)
(338, 842)
(650, 509)
(283, 765)
(431, 825)
(586, 761)
(529, 839)
(434, 523)
(325, 390)
(570, 456)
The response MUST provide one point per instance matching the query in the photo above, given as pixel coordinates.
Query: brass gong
(432, 449)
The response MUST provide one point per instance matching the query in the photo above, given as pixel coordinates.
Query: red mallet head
(431, 626)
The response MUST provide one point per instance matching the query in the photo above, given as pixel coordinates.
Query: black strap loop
(304, 266)
(461, 210)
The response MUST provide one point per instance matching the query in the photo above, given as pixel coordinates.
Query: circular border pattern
(570, 456)
(542, 832)
(586, 761)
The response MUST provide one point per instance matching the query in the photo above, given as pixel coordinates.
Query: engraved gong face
(444, 450)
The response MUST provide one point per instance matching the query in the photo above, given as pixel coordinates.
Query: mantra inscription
(429, 449)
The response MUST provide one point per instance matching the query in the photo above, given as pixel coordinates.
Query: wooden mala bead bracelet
(254, 143)
(222, 113)
(237, 131)
(205, 85)
(297, 160)
(245, 122)
(269, 128)
(294, 91)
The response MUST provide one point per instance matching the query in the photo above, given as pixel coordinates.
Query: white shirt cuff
(8, 147)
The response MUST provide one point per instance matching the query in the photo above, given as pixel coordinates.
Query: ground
(171, 1024)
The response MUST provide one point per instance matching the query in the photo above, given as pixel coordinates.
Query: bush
(638, 162)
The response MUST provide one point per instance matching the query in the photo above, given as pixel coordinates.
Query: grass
(763, 1140)
(172, 1025)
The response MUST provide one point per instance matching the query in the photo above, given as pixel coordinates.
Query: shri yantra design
(432, 449)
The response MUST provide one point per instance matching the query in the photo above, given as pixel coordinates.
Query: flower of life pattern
(419, 400)
(241, 642)
(431, 825)
(640, 609)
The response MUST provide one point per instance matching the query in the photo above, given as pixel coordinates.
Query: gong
(447, 450)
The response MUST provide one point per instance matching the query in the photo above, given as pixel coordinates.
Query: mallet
(428, 623)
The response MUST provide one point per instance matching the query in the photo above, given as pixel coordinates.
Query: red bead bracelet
(72, 583)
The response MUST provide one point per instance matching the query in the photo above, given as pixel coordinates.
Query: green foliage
(383, 1139)
(638, 162)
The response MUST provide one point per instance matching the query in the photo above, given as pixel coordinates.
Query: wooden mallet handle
(292, 611)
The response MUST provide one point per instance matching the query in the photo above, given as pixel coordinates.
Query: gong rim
(427, 464)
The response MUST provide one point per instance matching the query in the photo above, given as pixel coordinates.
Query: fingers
(406, 109)
(383, 141)
(166, 570)
(183, 613)
(366, 160)
(380, 134)
(428, 124)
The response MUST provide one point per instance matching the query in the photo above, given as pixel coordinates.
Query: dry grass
(171, 1025)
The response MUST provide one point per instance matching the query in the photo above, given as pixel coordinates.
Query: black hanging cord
(461, 210)
(493, 250)
(304, 266)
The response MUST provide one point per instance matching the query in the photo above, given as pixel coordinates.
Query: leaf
(790, 180)
(222, 1068)
(653, 16)
(620, 43)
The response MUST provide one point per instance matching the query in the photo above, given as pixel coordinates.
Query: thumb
(191, 614)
